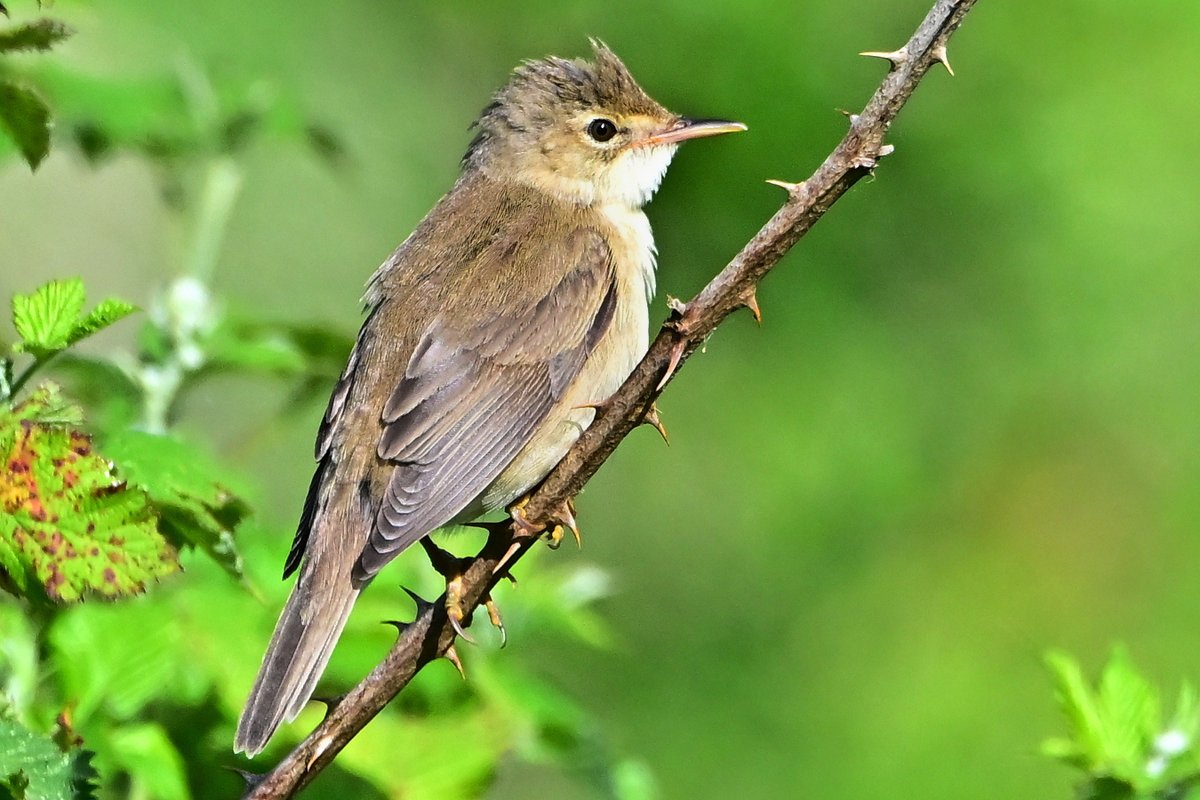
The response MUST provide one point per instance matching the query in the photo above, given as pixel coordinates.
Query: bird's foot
(453, 568)
(563, 517)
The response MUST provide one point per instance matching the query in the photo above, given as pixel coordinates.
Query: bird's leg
(452, 569)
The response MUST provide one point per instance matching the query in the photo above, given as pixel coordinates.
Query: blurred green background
(965, 432)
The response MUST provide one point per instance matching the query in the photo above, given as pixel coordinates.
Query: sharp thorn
(752, 304)
(502, 564)
(939, 54)
(422, 603)
(452, 656)
(654, 420)
(251, 779)
(676, 355)
(895, 57)
(886, 150)
(676, 305)
(400, 626)
(785, 185)
(330, 703)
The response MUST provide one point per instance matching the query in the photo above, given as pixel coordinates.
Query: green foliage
(26, 119)
(23, 113)
(51, 319)
(41, 34)
(34, 767)
(154, 684)
(1117, 735)
(186, 488)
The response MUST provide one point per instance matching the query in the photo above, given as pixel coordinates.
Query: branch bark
(431, 635)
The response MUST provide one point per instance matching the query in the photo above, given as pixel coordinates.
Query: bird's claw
(453, 569)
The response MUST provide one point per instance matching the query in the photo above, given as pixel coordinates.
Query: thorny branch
(431, 635)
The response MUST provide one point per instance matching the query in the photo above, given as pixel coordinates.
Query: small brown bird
(517, 302)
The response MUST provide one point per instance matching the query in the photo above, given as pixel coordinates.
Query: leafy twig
(431, 635)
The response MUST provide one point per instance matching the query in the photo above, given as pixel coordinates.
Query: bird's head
(584, 132)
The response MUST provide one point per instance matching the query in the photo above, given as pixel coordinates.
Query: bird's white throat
(636, 174)
(629, 181)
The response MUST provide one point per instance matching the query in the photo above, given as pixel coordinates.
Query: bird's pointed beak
(683, 129)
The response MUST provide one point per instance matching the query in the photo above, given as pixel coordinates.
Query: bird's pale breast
(632, 244)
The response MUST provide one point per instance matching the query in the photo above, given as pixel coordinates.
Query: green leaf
(51, 319)
(254, 348)
(45, 319)
(47, 405)
(152, 760)
(32, 767)
(41, 34)
(110, 395)
(194, 504)
(103, 315)
(66, 521)
(26, 118)
(114, 660)
(1081, 709)
(1131, 714)
(21, 650)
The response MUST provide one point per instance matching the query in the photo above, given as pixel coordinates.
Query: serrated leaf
(26, 119)
(195, 505)
(100, 317)
(1130, 710)
(44, 320)
(41, 34)
(47, 405)
(67, 519)
(1080, 707)
(32, 767)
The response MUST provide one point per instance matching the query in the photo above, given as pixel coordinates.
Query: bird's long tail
(304, 637)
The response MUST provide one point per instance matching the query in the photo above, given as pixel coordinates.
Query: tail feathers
(304, 637)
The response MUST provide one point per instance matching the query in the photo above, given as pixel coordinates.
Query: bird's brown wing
(471, 396)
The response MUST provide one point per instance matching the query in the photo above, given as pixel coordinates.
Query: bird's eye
(602, 129)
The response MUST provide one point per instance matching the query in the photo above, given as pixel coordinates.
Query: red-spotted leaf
(67, 524)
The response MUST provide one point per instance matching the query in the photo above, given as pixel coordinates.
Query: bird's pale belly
(611, 362)
(609, 365)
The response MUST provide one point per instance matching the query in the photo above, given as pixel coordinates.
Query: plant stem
(222, 184)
